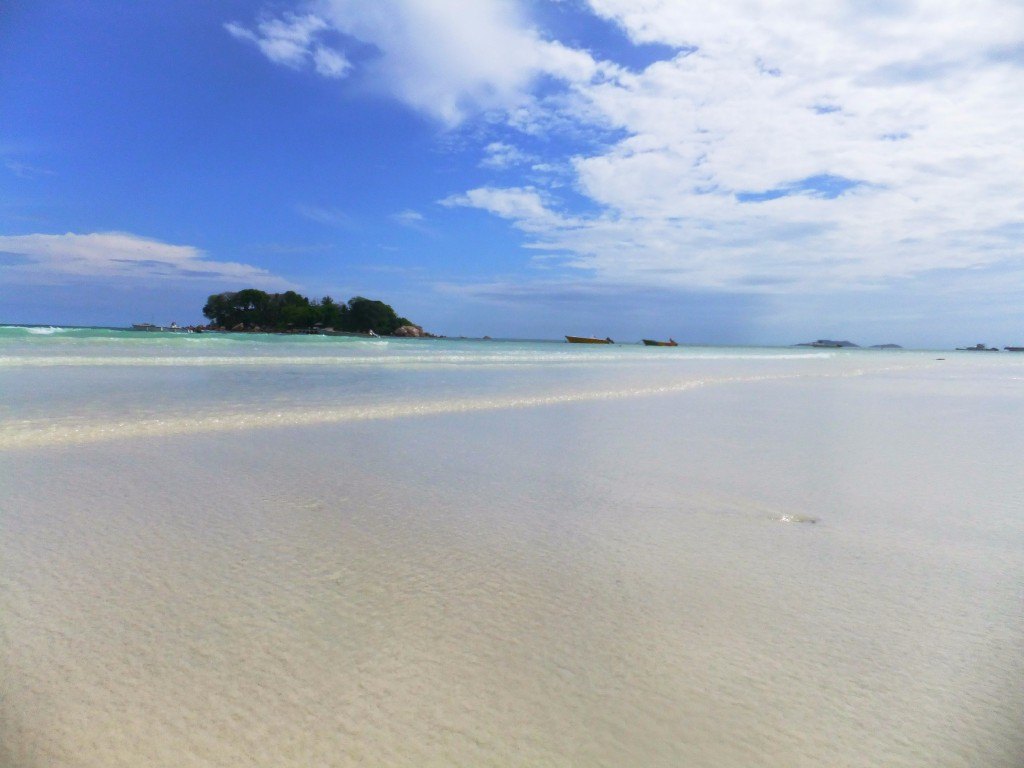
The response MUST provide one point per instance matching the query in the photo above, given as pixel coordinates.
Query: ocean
(266, 550)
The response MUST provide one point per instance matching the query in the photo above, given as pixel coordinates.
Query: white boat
(172, 328)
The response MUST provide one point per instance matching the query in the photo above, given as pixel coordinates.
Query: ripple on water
(795, 519)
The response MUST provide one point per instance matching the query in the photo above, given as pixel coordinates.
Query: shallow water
(336, 552)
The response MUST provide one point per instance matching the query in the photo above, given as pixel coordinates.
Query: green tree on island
(252, 308)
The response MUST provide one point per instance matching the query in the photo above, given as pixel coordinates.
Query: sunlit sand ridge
(39, 434)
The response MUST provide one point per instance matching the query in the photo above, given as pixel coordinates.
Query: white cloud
(524, 206)
(447, 58)
(330, 63)
(294, 41)
(731, 156)
(776, 95)
(331, 217)
(499, 155)
(117, 256)
(26, 171)
(452, 59)
(408, 217)
(412, 220)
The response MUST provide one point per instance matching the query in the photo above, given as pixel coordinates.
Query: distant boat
(653, 343)
(1014, 349)
(587, 340)
(829, 343)
(172, 328)
(977, 348)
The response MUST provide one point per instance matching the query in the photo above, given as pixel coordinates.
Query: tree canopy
(252, 308)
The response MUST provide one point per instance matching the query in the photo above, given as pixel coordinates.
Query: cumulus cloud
(452, 59)
(447, 58)
(782, 147)
(795, 149)
(117, 256)
(524, 206)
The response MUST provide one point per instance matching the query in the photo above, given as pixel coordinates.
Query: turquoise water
(285, 551)
(216, 348)
(57, 378)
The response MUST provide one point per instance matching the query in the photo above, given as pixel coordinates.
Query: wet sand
(777, 572)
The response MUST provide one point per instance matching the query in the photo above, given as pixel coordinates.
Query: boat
(587, 340)
(830, 344)
(977, 348)
(1014, 349)
(172, 328)
(653, 343)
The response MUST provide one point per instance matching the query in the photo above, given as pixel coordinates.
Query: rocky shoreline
(405, 331)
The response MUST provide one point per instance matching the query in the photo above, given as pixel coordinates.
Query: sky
(725, 173)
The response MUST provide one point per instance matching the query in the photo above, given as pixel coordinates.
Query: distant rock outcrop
(410, 331)
(828, 343)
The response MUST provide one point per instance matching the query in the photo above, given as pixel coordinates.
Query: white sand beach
(718, 559)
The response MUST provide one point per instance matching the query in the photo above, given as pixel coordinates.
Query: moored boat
(1014, 349)
(172, 328)
(653, 343)
(587, 340)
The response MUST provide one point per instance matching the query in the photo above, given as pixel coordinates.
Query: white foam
(435, 358)
(47, 331)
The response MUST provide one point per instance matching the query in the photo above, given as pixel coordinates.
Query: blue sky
(618, 167)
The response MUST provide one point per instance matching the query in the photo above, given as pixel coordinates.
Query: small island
(257, 311)
(829, 343)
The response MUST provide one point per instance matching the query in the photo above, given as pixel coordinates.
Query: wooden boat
(587, 340)
(653, 343)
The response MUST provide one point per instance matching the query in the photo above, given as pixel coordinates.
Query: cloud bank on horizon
(775, 147)
(56, 259)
